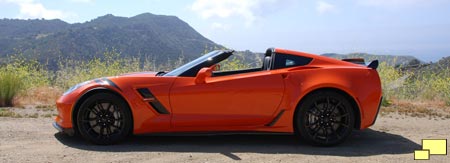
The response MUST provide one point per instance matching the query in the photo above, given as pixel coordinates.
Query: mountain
(158, 38)
(147, 36)
(389, 59)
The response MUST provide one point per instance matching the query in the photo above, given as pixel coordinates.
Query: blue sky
(399, 27)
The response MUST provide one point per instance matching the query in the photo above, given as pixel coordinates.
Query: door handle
(150, 99)
(285, 75)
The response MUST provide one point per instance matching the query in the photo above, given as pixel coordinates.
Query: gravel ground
(392, 139)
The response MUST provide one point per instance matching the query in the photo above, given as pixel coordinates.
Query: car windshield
(187, 66)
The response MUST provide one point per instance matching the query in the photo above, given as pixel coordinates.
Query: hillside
(146, 36)
(156, 38)
(389, 59)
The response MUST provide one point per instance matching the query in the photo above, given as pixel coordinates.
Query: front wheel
(104, 118)
(325, 118)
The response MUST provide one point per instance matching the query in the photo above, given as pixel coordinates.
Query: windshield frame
(191, 68)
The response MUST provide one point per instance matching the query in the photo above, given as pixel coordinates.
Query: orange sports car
(319, 98)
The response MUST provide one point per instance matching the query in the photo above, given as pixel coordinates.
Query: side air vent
(145, 93)
(148, 96)
(276, 118)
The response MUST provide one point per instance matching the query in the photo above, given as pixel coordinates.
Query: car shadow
(361, 143)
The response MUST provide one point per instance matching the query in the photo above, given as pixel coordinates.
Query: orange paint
(240, 102)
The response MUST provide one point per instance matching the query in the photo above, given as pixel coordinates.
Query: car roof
(318, 59)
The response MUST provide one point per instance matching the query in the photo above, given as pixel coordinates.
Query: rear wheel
(104, 118)
(325, 118)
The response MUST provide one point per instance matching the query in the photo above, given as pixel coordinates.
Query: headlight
(75, 87)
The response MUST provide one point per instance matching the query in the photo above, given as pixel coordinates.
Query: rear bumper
(378, 111)
(68, 131)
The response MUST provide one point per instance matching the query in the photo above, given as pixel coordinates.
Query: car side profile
(320, 99)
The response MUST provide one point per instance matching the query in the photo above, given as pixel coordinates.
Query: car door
(237, 100)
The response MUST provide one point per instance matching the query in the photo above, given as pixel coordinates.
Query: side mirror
(203, 74)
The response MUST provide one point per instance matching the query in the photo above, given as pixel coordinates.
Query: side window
(290, 63)
(287, 60)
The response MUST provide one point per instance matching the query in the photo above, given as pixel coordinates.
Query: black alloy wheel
(325, 118)
(104, 119)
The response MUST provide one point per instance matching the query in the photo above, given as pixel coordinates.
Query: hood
(139, 74)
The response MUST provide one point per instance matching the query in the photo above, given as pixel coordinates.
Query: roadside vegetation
(430, 84)
(24, 82)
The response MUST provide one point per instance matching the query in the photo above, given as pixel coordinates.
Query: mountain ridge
(392, 60)
(147, 36)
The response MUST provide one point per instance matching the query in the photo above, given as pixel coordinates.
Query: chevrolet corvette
(320, 99)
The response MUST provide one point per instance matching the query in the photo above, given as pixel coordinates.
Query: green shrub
(20, 74)
(233, 63)
(415, 85)
(10, 85)
(72, 72)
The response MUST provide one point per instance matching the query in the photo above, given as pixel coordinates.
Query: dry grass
(8, 113)
(414, 93)
(34, 102)
(27, 112)
(437, 109)
(43, 97)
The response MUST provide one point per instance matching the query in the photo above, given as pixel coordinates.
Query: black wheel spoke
(94, 110)
(313, 113)
(109, 106)
(84, 120)
(93, 126)
(102, 129)
(312, 124)
(328, 118)
(316, 134)
(335, 107)
(90, 129)
(335, 133)
(315, 130)
(118, 119)
(100, 105)
(344, 125)
(108, 131)
(341, 116)
(104, 118)
(115, 126)
(89, 120)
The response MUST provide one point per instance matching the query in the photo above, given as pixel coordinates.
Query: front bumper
(68, 131)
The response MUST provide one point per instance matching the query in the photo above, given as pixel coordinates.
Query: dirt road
(393, 139)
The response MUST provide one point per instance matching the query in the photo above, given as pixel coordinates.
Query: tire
(324, 118)
(104, 119)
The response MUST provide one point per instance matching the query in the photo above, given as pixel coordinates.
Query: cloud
(220, 26)
(396, 3)
(249, 10)
(323, 7)
(31, 9)
(83, 1)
